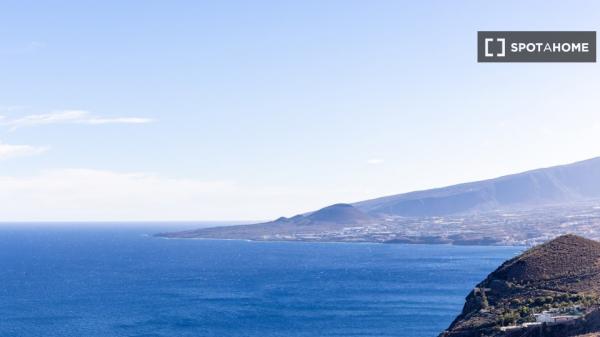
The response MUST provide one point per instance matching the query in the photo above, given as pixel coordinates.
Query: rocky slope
(560, 276)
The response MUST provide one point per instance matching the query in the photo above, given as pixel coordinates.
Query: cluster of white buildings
(557, 316)
(552, 316)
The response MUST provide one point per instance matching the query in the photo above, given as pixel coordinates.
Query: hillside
(304, 226)
(560, 278)
(558, 184)
(471, 213)
(339, 213)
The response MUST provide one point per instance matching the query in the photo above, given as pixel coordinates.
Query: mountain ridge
(560, 183)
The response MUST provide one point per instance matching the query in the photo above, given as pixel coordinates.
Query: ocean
(114, 282)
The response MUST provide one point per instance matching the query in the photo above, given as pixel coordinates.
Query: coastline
(336, 242)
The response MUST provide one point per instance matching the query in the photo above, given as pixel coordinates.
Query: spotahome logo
(526, 46)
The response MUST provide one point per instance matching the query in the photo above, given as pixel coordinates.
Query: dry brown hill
(567, 255)
(562, 273)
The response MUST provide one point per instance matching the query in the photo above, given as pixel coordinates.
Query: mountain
(558, 184)
(557, 282)
(541, 204)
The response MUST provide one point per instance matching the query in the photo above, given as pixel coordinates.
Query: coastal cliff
(551, 290)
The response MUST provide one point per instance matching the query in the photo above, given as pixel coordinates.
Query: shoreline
(335, 242)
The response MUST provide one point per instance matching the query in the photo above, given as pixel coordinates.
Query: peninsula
(527, 208)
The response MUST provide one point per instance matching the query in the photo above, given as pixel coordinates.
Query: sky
(250, 110)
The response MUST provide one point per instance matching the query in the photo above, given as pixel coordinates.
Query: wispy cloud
(68, 117)
(10, 151)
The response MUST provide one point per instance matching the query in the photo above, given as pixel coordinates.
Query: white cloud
(97, 195)
(375, 161)
(49, 118)
(68, 116)
(10, 151)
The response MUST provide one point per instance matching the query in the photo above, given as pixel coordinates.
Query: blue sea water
(120, 282)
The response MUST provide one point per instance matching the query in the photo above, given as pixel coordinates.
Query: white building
(553, 317)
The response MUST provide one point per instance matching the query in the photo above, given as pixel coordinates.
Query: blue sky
(174, 110)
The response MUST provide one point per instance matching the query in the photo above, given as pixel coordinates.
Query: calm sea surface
(120, 282)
